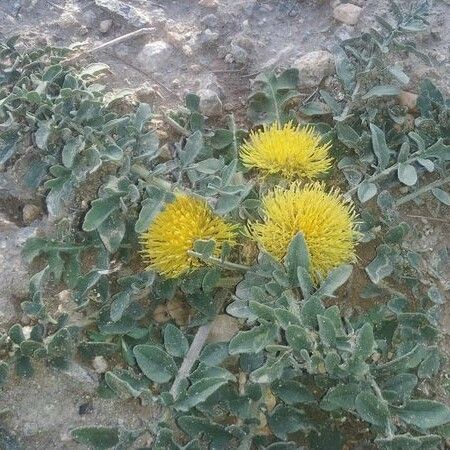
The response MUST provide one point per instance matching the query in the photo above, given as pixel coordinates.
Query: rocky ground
(213, 48)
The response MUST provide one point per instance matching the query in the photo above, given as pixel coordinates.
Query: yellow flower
(326, 221)
(292, 151)
(173, 233)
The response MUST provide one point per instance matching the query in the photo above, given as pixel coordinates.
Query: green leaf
(92, 349)
(335, 279)
(23, 366)
(43, 133)
(71, 149)
(366, 191)
(400, 386)
(214, 354)
(327, 332)
(125, 385)
(365, 341)
(193, 147)
(205, 247)
(61, 344)
(97, 438)
(51, 72)
(311, 308)
(150, 207)
(4, 370)
(271, 371)
(434, 294)
(16, 334)
(382, 91)
(199, 392)
(399, 442)
(348, 136)
(407, 174)
(175, 342)
(325, 437)
(208, 166)
(271, 96)
(441, 195)
(121, 301)
(423, 413)
(292, 392)
(297, 256)
(438, 150)
(407, 361)
(112, 231)
(344, 68)
(379, 146)
(155, 363)
(429, 165)
(101, 209)
(342, 396)
(285, 420)
(429, 367)
(217, 434)
(380, 267)
(315, 108)
(254, 340)
(397, 72)
(372, 409)
(93, 69)
(298, 338)
(286, 318)
(305, 282)
(61, 190)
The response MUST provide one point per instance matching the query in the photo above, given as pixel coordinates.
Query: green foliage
(302, 365)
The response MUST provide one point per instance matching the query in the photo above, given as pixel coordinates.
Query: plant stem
(146, 175)
(218, 262)
(379, 394)
(165, 185)
(191, 357)
(175, 125)
(422, 190)
(232, 125)
(229, 282)
(115, 41)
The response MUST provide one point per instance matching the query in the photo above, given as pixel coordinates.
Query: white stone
(408, 99)
(105, 25)
(210, 103)
(100, 364)
(30, 213)
(154, 55)
(347, 13)
(313, 67)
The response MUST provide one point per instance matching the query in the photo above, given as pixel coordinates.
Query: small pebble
(30, 213)
(105, 25)
(100, 364)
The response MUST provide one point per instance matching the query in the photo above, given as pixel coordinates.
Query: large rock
(313, 67)
(347, 13)
(13, 272)
(45, 408)
(154, 55)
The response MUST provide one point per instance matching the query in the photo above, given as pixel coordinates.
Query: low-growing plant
(316, 361)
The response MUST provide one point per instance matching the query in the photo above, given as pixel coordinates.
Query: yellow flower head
(173, 233)
(326, 221)
(292, 151)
